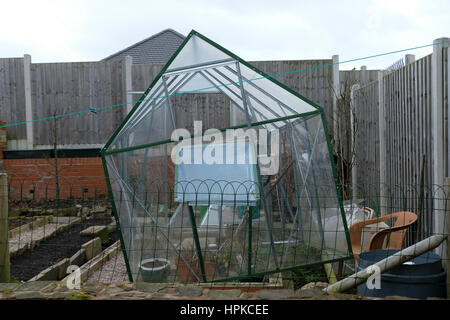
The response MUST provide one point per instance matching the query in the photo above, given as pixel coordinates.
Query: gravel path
(113, 271)
(24, 239)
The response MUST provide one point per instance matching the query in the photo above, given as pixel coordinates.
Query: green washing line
(95, 109)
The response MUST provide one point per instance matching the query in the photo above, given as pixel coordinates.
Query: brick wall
(35, 178)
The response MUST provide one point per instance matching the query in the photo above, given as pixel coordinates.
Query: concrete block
(79, 258)
(112, 227)
(93, 248)
(97, 231)
(99, 209)
(62, 268)
(49, 274)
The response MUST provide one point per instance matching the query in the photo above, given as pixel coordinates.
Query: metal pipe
(199, 66)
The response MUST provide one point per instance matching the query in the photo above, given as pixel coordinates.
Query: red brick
(75, 173)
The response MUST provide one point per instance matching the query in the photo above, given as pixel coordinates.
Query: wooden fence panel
(408, 134)
(367, 143)
(12, 96)
(74, 88)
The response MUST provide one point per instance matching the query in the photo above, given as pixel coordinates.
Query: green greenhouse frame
(302, 223)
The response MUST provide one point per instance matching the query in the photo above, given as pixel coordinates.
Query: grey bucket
(154, 274)
(420, 278)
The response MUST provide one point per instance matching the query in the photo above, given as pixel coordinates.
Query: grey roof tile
(156, 49)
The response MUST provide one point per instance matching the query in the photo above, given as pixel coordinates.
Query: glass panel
(197, 51)
(254, 82)
(214, 220)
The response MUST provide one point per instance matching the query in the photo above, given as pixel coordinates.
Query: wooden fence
(75, 88)
(398, 118)
(12, 98)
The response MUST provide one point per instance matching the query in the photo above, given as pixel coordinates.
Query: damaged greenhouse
(254, 197)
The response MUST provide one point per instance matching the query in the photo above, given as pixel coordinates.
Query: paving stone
(164, 296)
(94, 289)
(78, 295)
(126, 286)
(63, 288)
(129, 295)
(315, 285)
(231, 294)
(168, 290)
(28, 295)
(309, 293)
(33, 286)
(150, 287)
(399, 298)
(57, 295)
(276, 294)
(8, 287)
(112, 290)
(189, 291)
(50, 288)
(248, 296)
(10, 296)
(345, 296)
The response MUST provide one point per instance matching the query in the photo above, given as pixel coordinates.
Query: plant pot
(154, 270)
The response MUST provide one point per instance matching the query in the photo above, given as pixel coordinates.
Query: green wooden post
(5, 268)
(250, 217)
(447, 233)
(197, 242)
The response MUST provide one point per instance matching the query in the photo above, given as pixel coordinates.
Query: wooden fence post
(448, 112)
(353, 105)
(382, 136)
(364, 76)
(409, 58)
(336, 95)
(437, 117)
(28, 103)
(446, 255)
(128, 98)
(4, 244)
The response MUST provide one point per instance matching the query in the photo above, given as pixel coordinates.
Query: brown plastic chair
(394, 236)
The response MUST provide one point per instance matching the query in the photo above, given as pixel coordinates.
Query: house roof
(153, 50)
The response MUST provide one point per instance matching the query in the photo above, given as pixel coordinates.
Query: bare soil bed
(60, 246)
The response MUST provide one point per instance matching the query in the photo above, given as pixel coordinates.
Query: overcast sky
(63, 31)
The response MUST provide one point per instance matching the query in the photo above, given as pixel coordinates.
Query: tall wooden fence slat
(407, 109)
(12, 99)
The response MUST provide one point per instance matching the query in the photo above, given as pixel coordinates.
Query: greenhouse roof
(202, 66)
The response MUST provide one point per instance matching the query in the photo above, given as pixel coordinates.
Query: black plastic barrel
(421, 278)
